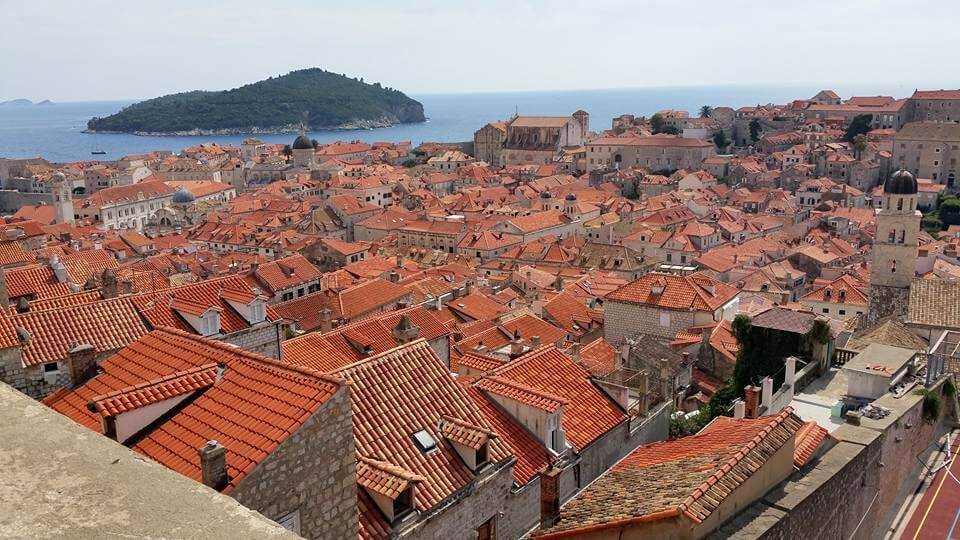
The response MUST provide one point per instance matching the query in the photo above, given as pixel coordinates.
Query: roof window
(424, 441)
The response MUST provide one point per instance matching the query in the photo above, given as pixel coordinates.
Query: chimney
(4, 295)
(575, 351)
(624, 354)
(535, 342)
(109, 283)
(751, 398)
(81, 363)
(405, 331)
(325, 324)
(394, 276)
(213, 465)
(516, 345)
(59, 270)
(469, 287)
(739, 408)
(549, 496)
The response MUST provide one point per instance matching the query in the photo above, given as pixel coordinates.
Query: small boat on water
(99, 152)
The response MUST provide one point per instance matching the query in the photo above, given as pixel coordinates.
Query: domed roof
(183, 196)
(901, 183)
(571, 197)
(545, 195)
(302, 143)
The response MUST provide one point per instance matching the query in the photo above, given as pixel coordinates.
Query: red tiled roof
(530, 452)
(476, 307)
(107, 325)
(251, 410)
(588, 413)
(404, 391)
(287, 272)
(521, 393)
(384, 478)
(147, 393)
(465, 433)
(689, 293)
(690, 476)
(809, 437)
(37, 280)
(599, 357)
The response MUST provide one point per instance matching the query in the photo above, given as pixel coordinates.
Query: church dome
(183, 196)
(545, 195)
(302, 143)
(571, 197)
(900, 183)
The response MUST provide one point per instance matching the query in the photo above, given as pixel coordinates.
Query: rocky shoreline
(353, 125)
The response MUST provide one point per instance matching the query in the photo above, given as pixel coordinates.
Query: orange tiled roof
(688, 477)
(384, 478)
(388, 408)
(147, 393)
(530, 452)
(521, 393)
(809, 437)
(287, 272)
(588, 413)
(690, 293)
(251, 410)
(599, 357)
(107, 325)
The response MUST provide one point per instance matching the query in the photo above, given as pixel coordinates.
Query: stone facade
(263, 338)
(894, 256)
(624, 320)
(32, 381)
(312, 473)
(488, 143)
(929, 150)
(658, 152)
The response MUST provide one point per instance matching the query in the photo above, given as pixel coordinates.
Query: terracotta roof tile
(688, 293)
(147, 393)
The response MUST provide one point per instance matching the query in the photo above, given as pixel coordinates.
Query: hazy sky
(99, 49)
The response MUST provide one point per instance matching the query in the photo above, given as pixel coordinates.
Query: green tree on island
(706, 111)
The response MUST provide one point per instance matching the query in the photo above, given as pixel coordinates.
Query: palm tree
(859, 145)
(706, 111)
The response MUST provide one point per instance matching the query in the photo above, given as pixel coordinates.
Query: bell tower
(894, 248)
(62, 199)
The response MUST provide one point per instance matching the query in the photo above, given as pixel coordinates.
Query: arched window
(899, 203)
(893, 266)
(892, 236)
(903, 236)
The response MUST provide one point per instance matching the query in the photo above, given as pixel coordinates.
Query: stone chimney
(469, 290)
(549, 496)
(59, 270)
(4, 295)
(575, 351)
(535, 342)
(109, 283)
(325, 320)
(213, 465)
(516, 345)
(394, 276)
(751, 399)
(766, 392)
(81, 363)
(405, 331)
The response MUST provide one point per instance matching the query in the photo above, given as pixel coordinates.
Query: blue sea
(55, 131)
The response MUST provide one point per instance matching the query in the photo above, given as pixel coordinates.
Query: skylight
(424, 441)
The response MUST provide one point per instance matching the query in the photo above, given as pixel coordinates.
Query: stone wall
(484, 499)
(886, 301)
(262, 339)
(313, 472)
(29, 380)
(852, 490)
(623, 320)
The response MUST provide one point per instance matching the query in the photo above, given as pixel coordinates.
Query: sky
(109, 50)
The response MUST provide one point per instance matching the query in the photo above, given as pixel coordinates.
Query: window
(843, 312)
(424, 441)
(291, 521)
(403, 504)
(51, 367)
(826, 310)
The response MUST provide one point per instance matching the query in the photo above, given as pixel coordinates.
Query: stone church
(894, 249)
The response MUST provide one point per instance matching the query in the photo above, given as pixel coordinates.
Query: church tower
(62, 199)
(303, 151)
(894, 248)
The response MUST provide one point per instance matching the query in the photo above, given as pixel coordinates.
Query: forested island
(313, 97)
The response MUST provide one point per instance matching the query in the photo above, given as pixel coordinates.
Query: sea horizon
(56, 131)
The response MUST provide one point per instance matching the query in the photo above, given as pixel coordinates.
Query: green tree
(950, 212)
(657, 123)
(859, 125)
(721, 140)
(706, 111)
(755, 130)
(859, 145)
(287, 151)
